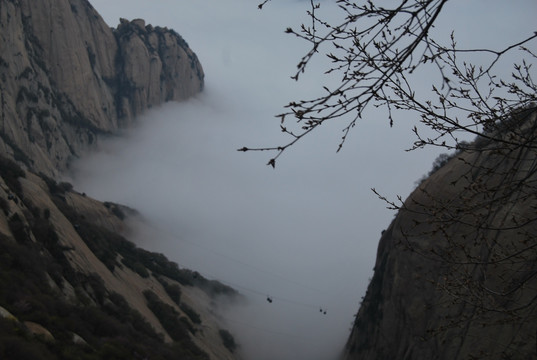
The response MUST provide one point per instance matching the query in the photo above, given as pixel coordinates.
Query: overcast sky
(304, 233)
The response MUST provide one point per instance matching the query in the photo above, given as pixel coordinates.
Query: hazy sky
(304, 233)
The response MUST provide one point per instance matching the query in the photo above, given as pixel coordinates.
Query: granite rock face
(455, 271)
(75, 239)
(66, 77)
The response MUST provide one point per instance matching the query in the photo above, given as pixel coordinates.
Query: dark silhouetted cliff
(455, 274)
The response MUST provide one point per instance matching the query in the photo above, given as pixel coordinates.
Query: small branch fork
(375, 50)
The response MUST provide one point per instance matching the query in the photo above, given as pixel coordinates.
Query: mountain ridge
(72, 78)
(71, 284)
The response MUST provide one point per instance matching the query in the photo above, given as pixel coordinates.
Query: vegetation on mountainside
(191, 313)
(11, 172)
(45, 121)
(173, 290)
(33, 269)
(109, 327)
(228, 340)
(177, 327)
(107, 245)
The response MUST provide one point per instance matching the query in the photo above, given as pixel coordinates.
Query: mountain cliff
(66, 268)
(67, 78)
(71, 285)
(455, 271)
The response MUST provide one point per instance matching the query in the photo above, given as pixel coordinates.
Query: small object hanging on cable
(269, 299)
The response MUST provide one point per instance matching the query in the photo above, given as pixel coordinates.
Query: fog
(305, 233)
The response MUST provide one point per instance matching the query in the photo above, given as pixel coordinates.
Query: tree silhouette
(481, 229)
(377, 51)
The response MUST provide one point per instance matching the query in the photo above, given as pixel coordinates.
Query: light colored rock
(66, 77)
(6, 314)
(122, 280)
(68, 291)
(79, 340)
(39, 331)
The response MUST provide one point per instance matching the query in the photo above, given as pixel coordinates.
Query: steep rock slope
(67, 77)
(455, 274)
(63, 260)
(71, 285)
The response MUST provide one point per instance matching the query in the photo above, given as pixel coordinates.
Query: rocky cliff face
(455, 271)
(67, 77)
(63, 259)
(71, 285)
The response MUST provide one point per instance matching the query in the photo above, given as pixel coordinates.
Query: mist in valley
(303, 234)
